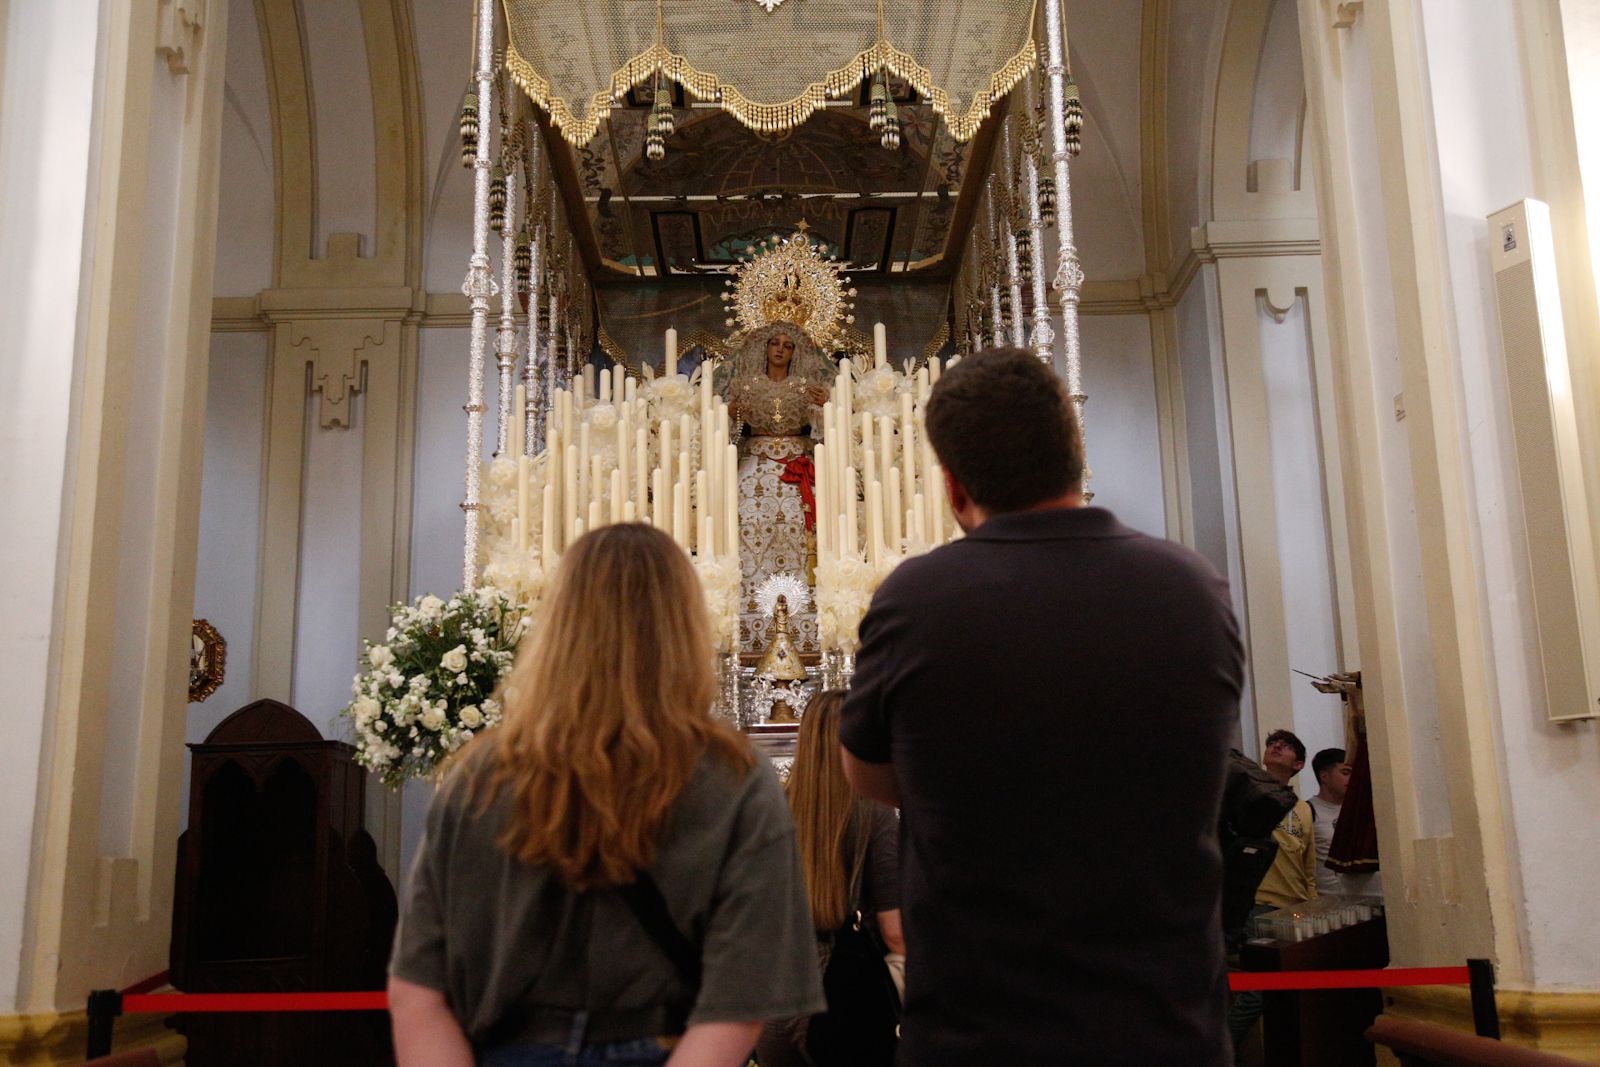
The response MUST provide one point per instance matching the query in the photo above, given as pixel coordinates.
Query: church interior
(325, 317)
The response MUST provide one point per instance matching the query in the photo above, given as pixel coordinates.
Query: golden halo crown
(790, 280)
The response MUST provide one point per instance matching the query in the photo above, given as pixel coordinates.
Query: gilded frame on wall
(208, 660)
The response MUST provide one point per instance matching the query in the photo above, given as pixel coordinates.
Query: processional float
(575, 447)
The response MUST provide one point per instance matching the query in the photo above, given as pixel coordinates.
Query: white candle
(730, 486)
(517, 438)
(658, 499)
(587, 396)
(706, 538)
(630, 389)
(523, 518)
(919, 515)
(671, 364)
(820, 493)
(605, 387)
(908, 452)
(594, 515)
(629, 512)
(597, 485)
(569, 493)
(619, 377)
(641, 468)
(933, 372)
(880, 344)
(680, 515)
(886, 447)
(616, 495)
(667, 451)
(874, 522)
(624, 439)
(892, 507)
(584, 451)
(702, 501)
(851, 525)
(547, 546)
(922, 383)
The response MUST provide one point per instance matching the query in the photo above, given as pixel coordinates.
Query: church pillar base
(1567, 1024)
(60, 1037)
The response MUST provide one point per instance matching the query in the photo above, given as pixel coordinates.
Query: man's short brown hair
(1004, 428)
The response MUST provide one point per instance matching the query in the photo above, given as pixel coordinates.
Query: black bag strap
(644, 899)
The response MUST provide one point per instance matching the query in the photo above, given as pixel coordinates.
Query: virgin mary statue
(775, 393)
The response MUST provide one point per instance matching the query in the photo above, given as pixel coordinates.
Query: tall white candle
(594, 516)
(892, 497)
(851, 521)
(874, 522)
(569, 494)
(658, 499)
(524, 519)
(619, 377)
(667, 451)
(597, 484)
(919, 518)
(519, 413)
(707, 539)
(820, 495)
(933, 372)
(605, 387)
(908, 453)
(630, 390)
(680, 515)
(616, 495)
(641, 468)
(587, 396)
(671, 364)
(702, 503)
(730, 487)
(547, 540)
(584, 450)
(880, 344)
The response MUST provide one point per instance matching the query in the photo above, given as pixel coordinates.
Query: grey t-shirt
(491, 932)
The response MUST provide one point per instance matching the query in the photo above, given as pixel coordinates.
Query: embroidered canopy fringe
(771, 70)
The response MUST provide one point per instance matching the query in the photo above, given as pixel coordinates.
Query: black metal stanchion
(1485, 1013)
(104, 1007)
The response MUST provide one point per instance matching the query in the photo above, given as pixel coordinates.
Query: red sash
(802, 472)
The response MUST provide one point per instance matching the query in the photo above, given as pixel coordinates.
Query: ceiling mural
(721, 187)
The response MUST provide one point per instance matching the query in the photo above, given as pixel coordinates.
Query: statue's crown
(789, 279)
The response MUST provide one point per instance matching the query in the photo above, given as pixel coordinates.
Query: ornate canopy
(770, 65)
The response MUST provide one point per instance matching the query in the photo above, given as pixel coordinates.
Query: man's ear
(955, 492)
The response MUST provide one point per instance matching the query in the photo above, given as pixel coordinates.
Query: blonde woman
(850, 854)
(608, 876)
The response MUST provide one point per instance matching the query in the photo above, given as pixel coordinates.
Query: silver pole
(998, 326)
(1013, 268)
(537, 398)
(1043, 338)
(478, 287)
(506, 337)
(1069, 271)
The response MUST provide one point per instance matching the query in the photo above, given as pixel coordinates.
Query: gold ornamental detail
(790, 280)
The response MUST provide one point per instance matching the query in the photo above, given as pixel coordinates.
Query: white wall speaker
(1557, 515)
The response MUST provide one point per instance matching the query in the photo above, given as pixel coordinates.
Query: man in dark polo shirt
(1049, 701)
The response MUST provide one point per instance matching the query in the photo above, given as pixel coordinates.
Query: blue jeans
(640, 1052)
(578, 1052)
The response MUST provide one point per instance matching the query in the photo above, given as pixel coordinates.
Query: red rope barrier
(1383, 978)
(155, 981)
(170, 1003)
(173, 1003)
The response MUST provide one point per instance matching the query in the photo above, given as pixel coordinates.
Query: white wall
(1120, 423)
(336, 58)
(46, 101)
(230, 517)
(1304, 535)
(245, 208)
(1550, 771)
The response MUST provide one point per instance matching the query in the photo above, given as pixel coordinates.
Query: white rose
(380, 656)
(430, 607)
(380, 726)
(454, 661)
(366, 709)
(433, 718)
(471, 717)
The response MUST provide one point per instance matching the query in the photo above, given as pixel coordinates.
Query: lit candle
(880, 345)
(547, 546)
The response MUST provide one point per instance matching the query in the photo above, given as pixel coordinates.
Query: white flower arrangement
(878, 392)
(720, 580)
(430, 687)
(844, 590)
(671, 395)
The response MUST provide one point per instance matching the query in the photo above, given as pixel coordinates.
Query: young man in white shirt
(1333, 779)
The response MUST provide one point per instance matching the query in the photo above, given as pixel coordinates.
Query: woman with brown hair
(849, 851)
(607, 876)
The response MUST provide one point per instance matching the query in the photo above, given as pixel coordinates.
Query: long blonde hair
(607, 709)
(826, 812)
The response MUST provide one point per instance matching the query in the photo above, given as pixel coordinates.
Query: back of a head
(607, 709)
(823, 806)
(1003, 426)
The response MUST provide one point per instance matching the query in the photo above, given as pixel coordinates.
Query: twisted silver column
(1043, 338)
(1013, 269)
(506, 336)
(478, 287)
(997, 329)
(1069, 271)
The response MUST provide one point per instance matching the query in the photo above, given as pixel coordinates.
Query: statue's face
(780, 351)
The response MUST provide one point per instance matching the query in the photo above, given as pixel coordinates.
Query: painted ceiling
(723, 186)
